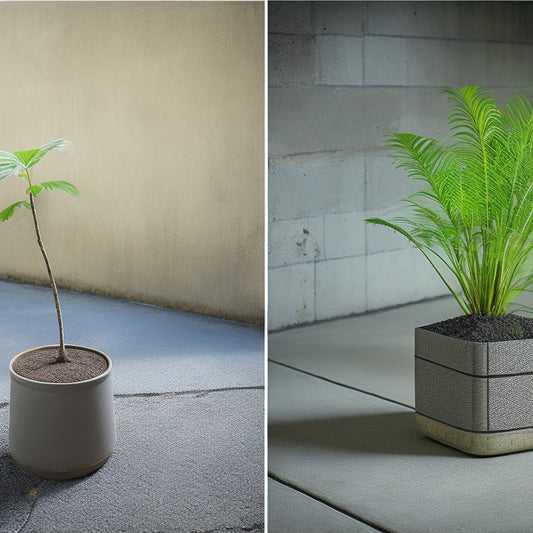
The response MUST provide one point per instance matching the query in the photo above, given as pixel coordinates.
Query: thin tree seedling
(19, 164)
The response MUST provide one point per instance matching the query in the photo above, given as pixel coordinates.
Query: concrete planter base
(476, 397)
(490, 443)
(61, 430)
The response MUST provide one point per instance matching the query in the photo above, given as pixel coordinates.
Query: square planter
(474, 396)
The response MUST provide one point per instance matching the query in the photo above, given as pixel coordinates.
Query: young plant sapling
(19, 164)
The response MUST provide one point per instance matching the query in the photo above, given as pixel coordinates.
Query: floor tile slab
(363, 455)
(153, 349)
(290, 510)
(373, 352)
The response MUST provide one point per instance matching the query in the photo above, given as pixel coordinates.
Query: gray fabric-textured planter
(61, 430)
(474, 396)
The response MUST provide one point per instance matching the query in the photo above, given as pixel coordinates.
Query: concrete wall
(164, 105)
(342, 74)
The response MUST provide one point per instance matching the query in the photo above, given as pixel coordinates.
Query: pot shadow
(387, 434)
(16, 492)
(19, 490)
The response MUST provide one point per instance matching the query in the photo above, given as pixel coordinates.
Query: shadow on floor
(17, 489)
(390, 433)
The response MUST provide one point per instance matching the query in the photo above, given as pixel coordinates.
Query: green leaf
(8, 212)
(31, 157)
(25, 156)
(34, 189)
(13, 163)
(9, 164)
(63, 185)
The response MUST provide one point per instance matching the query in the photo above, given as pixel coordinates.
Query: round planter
(61, 430)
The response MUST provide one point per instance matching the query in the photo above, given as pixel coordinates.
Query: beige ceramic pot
(61, 430)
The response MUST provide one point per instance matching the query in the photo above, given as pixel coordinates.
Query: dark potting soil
(483, 328)
(40, 365)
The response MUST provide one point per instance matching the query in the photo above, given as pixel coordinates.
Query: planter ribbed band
(474, 396)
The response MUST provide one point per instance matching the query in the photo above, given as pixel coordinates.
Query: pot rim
(76, 384)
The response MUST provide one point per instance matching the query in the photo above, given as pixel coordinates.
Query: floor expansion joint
(333, 382)
(328, 503)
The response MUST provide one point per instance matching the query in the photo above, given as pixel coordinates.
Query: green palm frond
(474, 214)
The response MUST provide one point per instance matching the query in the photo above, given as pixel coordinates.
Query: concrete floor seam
(253, 527)
(328, 504)
(182, 393)
(333, 382)
(23, 526)
(175, 393)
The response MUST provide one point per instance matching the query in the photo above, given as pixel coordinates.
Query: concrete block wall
(342, 74)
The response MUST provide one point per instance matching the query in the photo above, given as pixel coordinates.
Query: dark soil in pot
(483, 328)
(40, 365)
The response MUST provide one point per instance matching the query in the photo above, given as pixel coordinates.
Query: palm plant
(19, 164)
(473, 218)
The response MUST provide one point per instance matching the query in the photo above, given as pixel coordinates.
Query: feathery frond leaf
(474, 212)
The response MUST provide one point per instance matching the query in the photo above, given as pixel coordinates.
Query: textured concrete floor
(343, 451)
(189, 402)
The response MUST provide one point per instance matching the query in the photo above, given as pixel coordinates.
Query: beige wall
(163, 103)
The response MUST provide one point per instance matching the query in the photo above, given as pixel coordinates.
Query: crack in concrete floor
(177, 456)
